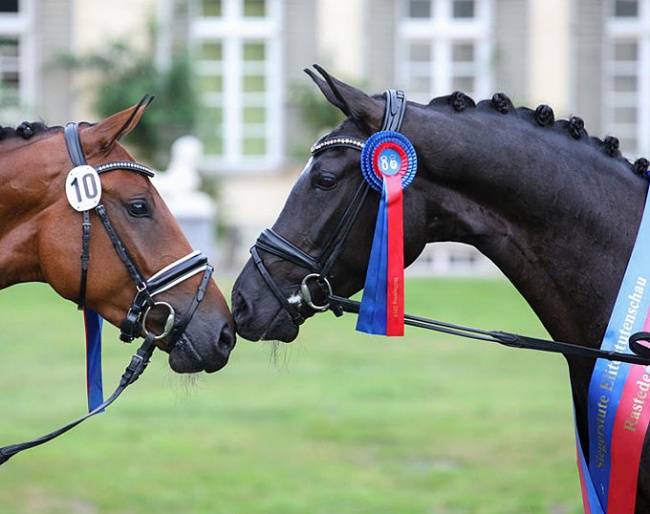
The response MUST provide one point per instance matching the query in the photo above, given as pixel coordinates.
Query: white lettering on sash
(610, 374)
(639, 402)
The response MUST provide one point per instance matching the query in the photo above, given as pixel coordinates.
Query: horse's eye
(326, 181)
(138, 209)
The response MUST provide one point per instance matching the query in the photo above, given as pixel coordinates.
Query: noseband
(272, 242)
(134, 324)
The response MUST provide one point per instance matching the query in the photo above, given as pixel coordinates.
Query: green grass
(337, 422)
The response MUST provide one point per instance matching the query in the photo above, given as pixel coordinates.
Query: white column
(549, 53)
(340, 37)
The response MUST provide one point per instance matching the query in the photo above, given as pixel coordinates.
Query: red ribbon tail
(395, 267)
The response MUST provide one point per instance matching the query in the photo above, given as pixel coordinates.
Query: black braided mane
(544, 118)
(25, 130)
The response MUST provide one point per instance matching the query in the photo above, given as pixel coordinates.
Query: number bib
(83, 188)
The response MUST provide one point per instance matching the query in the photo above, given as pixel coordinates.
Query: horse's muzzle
(257, 312)
(192, 354)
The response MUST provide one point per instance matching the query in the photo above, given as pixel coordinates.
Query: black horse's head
(321, 241)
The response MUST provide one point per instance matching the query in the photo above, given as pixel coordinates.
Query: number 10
(90, 189)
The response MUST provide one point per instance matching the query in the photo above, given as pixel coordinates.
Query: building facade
(589, 58)
(584, 57)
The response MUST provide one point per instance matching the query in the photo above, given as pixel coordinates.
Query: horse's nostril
(240, 307)
(227, 339)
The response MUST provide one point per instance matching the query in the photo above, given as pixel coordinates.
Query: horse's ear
(364, 110)
(107, 132)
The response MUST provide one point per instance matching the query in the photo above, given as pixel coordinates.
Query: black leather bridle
(134, 324)
(319, 267)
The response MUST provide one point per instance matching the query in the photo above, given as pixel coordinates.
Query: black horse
(555, 209)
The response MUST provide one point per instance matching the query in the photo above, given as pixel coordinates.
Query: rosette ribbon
(389, 164)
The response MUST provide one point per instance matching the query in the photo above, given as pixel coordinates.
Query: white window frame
(232, 30)
(20, 26)
(441, 31)
(631, 29)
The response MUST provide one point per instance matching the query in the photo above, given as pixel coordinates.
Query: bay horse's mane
(26, 130)
(542, 117)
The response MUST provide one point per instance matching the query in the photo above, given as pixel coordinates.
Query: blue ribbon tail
(372, 312)
(589, 490)
(93, 322)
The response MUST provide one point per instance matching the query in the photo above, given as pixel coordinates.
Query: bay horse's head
(137, 270)
(321, 241)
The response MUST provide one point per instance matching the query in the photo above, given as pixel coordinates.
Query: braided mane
(542, 117)
(25, 130)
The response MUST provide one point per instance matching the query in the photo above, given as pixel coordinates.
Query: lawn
(337, 422)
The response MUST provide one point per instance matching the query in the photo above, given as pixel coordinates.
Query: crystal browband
(129, 165)
(357, 144)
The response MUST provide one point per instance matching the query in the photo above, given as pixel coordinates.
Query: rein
(138, 363)
(134, 324)
(640, 356)
(272, 242)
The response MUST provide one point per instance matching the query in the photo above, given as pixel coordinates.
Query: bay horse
(128, 248)
(555, 209)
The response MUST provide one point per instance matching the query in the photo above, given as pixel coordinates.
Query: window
(16, 69)
(627, 75)
(254, 8)
(463, 9)
(9, 72)
(9, 6)
(445, 45)
(238, 53)
(626, 8)
(211, 8)
(419, 9)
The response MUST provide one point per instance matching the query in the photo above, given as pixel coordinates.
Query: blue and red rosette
(389, 164)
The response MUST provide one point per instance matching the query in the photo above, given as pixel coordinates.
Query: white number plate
(83, 188)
